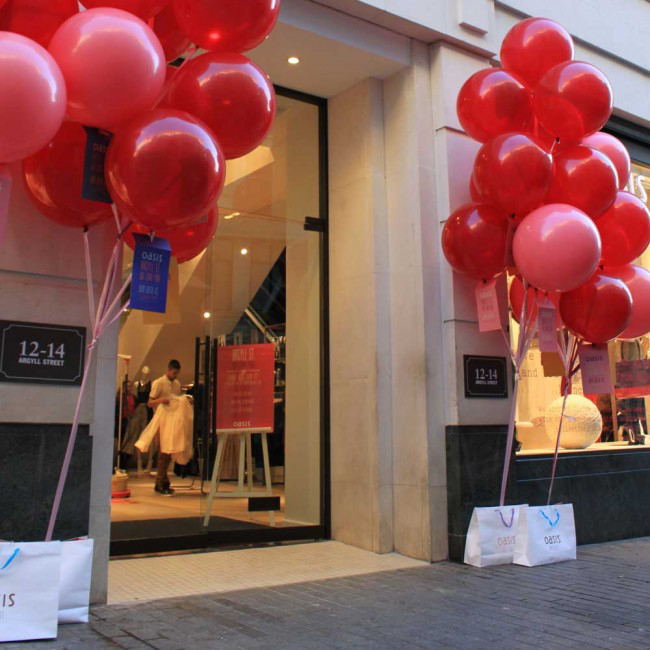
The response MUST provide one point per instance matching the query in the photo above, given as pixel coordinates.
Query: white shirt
(164, 388)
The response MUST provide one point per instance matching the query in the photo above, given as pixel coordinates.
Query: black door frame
(208, 539)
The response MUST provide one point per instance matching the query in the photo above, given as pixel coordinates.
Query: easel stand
(245, 468)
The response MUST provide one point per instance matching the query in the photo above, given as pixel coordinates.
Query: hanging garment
(137, 424)
(173, 422)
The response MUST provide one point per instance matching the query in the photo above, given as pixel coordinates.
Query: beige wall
(401, 321)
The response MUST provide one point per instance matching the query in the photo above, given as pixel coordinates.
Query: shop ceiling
(336, 50)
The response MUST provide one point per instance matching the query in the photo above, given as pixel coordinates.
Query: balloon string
(68, 452)
(89, 279)
(111, 309)
(527, 329)
(569, 355)
(100, 323)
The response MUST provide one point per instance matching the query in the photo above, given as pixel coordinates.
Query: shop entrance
(246, 322)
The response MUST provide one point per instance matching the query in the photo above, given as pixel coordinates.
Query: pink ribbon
(527, 329)
(101, 320)
(569, 354)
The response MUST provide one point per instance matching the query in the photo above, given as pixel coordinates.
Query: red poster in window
(245, 387)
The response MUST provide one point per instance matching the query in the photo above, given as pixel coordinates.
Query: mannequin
(141, 417)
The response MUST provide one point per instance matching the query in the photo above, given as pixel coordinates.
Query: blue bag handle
(12, 557)
(553, 524)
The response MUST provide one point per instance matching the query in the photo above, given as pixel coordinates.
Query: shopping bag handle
(512, 517)
(553, 524)
(12, 557)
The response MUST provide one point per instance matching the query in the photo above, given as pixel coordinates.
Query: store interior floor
(187, 507)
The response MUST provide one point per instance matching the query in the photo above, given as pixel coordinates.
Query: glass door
(254, 302)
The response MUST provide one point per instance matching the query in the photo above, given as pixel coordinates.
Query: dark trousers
(162, 480)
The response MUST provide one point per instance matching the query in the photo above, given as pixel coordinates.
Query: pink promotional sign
(5, 194)
(546, 320)
(633, 378)
(487, 306)
(595, 370)
(245, 387)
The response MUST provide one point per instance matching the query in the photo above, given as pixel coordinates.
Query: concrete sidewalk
(600, 601)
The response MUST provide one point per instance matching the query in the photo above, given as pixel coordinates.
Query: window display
(616, 420)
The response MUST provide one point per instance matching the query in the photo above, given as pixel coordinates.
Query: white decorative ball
(582, 422)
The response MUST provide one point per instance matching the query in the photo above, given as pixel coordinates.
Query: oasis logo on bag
(506, 541)
(552, 539)
(7, 600)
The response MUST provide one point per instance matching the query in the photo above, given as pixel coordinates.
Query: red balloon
(36, 19)
(557, 248)
(165, 169)
(637, 280)
(541, 136)
(32, 97)
(474, 241)
(143, 9)
(186, 242)
(172, 38)
(624, 230)
(231, 94)
(53, 178)
(583, 178)
(113, 65)
(227, 25)
(615, 150)
(534, 46)
(513, 172)
(599, 310)
(492, 102)
(573, 100)
(516, 295)
(473, 191)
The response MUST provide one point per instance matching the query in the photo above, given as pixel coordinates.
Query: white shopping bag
(545, 534)
(29, 590)
(491, 535)
(74, 588)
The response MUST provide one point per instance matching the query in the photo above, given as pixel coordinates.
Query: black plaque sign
(34, 353)
(486, 377)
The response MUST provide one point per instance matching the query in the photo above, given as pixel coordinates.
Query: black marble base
(31, 456)
(608, 489)
(474, 468)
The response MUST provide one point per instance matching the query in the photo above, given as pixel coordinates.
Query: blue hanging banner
(93, 187)
(150, 274)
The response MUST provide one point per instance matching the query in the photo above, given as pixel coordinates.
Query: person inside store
(163, 390)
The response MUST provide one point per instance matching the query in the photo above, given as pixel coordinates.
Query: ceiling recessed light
(293, 60)
(232, 215)
(206, 314)
(244, 251)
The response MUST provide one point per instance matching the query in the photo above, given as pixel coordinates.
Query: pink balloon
(32, 97)
(615, 150)
(637, 281)
(557, 248)
(113, 65)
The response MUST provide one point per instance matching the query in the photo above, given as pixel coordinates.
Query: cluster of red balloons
(105, 66)
(547, 189)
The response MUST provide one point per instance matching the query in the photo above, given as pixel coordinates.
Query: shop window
(625, 413)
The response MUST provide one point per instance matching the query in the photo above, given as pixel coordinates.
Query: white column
(360, 354)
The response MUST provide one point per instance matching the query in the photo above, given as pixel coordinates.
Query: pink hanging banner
(5, 195)
(546, 320)
(487, 306)
(595, 369)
